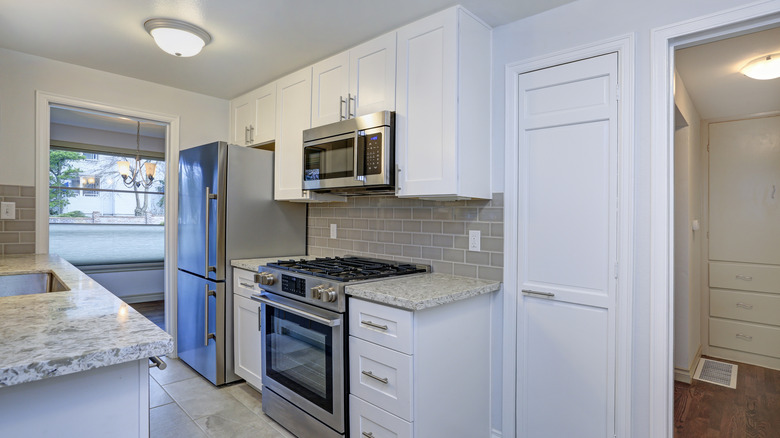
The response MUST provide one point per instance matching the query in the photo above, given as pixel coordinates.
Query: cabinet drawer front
(745, 306)
(760, 278)
(384, 325)
(244, 283)
(745, 336)
(381, 376)
(366, 419)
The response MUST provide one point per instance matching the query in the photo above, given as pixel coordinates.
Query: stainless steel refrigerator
(226, 212)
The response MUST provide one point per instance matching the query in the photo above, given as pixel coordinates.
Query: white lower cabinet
(423, 373)
(248, 358)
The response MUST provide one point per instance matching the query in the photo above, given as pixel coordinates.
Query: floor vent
(719, 373)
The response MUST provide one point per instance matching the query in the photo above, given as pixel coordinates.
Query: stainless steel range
(304, 338)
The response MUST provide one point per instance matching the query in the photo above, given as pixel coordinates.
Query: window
(111, 224)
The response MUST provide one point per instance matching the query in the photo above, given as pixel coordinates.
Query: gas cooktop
(349, 268)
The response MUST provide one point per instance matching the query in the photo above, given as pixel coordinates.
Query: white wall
(572, 25)
(203, 118)
(687, 243)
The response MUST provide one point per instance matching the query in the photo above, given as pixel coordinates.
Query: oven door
(330, 163)
(303, 357)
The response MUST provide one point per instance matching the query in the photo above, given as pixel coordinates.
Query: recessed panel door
(568, 249)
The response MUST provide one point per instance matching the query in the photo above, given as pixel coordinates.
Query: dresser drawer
(244, 283)
(745, 336)
(381, 376)
(745, 306)
(742, 276)
(384, 325)
(367, 420)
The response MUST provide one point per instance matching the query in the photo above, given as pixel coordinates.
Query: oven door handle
(302, 313)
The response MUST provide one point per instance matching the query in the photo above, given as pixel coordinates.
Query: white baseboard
(496, 434)
(142, 298)
(686, 375)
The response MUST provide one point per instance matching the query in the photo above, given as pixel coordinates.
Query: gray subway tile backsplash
(413, 231)
(17, 236)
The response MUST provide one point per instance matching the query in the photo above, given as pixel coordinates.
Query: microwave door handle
(360, 157)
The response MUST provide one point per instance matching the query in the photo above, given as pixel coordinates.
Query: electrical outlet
(333, 231)
(474, 240)
(7, 210)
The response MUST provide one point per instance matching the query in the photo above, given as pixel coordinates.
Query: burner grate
(349, 268)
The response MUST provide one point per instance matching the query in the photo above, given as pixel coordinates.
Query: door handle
(538, 294)
(351, 98)
(342, 104)
(374, 325)
(209, 197)
(377, 378)
(295, 311)
(206, 334)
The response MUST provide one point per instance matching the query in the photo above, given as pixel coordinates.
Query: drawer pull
(539, 294)
(374, 325)
(368, 434)
(745, 306)
(744, 337)
(744, 277)
(248, 285)
(377, 378)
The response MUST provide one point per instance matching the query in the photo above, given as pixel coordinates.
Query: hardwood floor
(705, 410)
(153, 310)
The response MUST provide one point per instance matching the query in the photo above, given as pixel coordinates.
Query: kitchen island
(73, 362)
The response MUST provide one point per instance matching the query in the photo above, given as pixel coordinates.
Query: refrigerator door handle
(209, 197)
(206, 334)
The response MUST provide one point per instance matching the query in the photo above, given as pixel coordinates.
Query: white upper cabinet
(293, 116)
(357, 82)
(253, 117)
(443, 107)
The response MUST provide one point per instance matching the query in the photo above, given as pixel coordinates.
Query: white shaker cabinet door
(372, 76)
(293, 115)
(567, 199)
(329, 89)
(246, 329)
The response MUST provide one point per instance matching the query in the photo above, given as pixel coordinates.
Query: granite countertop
(417, 292)
(254, 264)
(58, 333)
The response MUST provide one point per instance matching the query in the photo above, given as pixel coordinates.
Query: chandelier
(136, 178)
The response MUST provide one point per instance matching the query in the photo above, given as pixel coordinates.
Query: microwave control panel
(373, 154)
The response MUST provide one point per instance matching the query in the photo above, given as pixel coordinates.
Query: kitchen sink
(28, 284)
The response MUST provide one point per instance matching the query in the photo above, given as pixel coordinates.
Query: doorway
(735, 22)
(47, 116)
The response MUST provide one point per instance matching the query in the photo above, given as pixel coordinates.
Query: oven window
(299, 356)
(334, 159)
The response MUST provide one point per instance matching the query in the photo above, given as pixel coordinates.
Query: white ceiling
(253, 41)
(711, 76)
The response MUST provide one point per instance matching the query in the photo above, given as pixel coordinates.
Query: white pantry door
(567, 199)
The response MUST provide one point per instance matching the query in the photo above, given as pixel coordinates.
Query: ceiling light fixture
(136, 178)
(177, 37)
(763, 68)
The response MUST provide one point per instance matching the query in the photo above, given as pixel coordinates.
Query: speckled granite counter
(253, 264)
(58, 333)
(417, 292)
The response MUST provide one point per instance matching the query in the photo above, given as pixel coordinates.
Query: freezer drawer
(201, 325)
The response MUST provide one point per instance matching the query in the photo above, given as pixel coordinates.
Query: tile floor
(185, 405)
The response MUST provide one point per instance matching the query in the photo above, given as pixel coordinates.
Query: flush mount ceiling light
(765, 67)
(177, 37)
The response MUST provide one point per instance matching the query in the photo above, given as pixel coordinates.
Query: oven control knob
(329, 295)
(316, 292)
(264, 278)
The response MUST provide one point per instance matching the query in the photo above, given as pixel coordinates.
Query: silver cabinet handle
(295, 311)
(351, 98)
(342, 104)
(251, 134)
(246, 134)
(377, 378)
(248, 285)
(157, 362)
(206, 334)
(374, 325)
(209, 197)
(744, 337)
(397, 179)
(368, 434)
(745, 306)
(537, 293)
(744, 277)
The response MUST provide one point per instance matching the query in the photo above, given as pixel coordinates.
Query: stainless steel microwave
(350, 156)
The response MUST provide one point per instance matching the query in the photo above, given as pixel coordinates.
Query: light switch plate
(333, 231)
(7, 210)
(474, 240)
